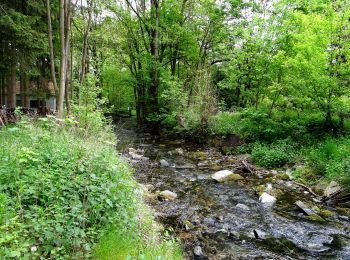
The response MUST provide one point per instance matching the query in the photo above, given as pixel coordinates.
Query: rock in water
(167, 195)
(305, 208)
(179, 151)
(198, 253)
(135, 156)
(164, 163)
(242, 206)
(267, 199)
(258, 234)
(226, 175)
(332, 188)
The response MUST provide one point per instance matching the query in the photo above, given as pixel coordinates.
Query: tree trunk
(22, 87)
(84, 58)
(153, 91)
(64, 41)
(2, 90)
(52, 55)
(68, 82)
(329, 120)
(11, 86)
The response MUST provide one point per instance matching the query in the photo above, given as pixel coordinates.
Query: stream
(226, 220)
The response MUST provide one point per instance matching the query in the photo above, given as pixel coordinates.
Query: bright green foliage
(60, 190)
(331, 159)
(90, 111)
(118, 246)
(275, 155)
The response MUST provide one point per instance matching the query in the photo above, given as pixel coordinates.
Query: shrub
(60, 190)
(331, 159)
(274, 155)
(224, 123)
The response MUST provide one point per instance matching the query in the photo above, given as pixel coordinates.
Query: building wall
(50, 102)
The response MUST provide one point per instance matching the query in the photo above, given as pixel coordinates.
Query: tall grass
(62, 189)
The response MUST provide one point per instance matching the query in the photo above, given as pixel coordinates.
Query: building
(36, 98)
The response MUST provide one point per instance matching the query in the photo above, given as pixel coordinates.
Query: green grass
(117, 246)
(62, 189)
(330, 159)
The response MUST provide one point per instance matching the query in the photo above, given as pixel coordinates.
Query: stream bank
(226, 220)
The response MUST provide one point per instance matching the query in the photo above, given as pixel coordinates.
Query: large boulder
(226, 175)
(332, 189)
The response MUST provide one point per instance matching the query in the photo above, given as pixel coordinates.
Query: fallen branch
(308, 189)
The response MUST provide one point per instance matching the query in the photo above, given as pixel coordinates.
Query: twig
(308, 189)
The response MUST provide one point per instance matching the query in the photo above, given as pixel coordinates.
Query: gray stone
(242, 207)
(185, 166)
(179, 151)
(164, 163)
(259, 234)
(198, 253)
(167, 195)
(226, 175)
(345, 218)
(209, 221)
(305, 208)
(135, 156)
(203, 164)
(267, 199)
(332, 188)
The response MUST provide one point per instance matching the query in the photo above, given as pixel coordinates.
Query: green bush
(331, 159)
(60, 189)
(274, 155)
(224, 123)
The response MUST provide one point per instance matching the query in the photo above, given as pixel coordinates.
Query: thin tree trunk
(52, 55)
(22, 86)
(2, 90)
(68, 83)
(64, 40)
(84, 58)
(11, 87)
(154, 52)
(26, 88)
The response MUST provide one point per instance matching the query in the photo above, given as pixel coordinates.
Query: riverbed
(226, 220)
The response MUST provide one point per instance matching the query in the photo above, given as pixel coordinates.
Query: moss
(276, 192)
(343, 211)
(326, 213)
(282, 176)
(316, 218)
(199, 155)
(260, 189)
(215, 167)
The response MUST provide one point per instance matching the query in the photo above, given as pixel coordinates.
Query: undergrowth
(63, 191)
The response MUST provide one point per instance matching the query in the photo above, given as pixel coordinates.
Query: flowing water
(205, 213)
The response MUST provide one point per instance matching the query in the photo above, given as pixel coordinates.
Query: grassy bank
(302, 141)
(65, 194)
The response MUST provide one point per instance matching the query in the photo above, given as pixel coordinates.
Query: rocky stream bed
(242, 212)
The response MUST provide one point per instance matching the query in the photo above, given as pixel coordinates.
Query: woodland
(273, 74)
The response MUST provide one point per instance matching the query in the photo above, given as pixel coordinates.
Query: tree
(65, 23)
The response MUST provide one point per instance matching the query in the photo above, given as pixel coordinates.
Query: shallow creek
(205, 213)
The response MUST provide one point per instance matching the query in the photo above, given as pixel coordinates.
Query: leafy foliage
(273, 156)
(60, 189)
